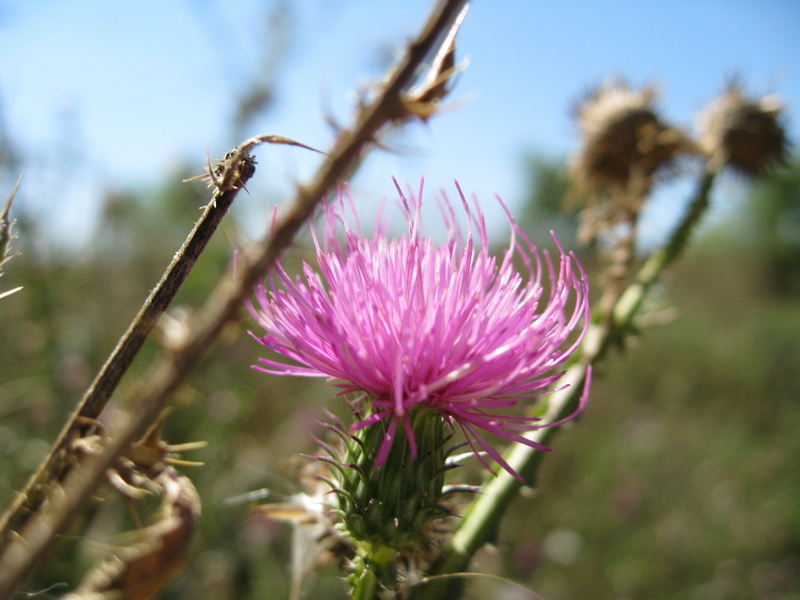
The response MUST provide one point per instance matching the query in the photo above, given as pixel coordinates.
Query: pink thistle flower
(413, 325)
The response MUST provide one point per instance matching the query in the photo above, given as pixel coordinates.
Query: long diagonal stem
(172, 366)
(58, 461)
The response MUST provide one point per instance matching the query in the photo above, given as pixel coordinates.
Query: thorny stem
(172, 366)
(481, 521)
(61, 457)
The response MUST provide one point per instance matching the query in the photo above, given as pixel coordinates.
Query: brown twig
(170, 369)
(61, 457)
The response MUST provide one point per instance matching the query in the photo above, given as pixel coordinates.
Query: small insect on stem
(238, 166)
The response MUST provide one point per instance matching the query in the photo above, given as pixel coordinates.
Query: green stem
(365, 584)
(631, 300)
(482, 520)
(483, 517)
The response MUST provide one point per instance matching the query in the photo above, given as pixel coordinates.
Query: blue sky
(118, 93)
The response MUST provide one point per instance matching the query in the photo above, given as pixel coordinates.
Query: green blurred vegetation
(680, 481)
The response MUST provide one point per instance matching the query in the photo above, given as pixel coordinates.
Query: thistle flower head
(744, 133)
(409, 325)
(624, 139)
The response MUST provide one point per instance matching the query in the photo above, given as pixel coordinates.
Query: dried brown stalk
(184, 354)
(63, 454)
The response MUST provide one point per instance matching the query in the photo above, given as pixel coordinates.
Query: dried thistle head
(625, 145)
(743, 133)
(624, 142)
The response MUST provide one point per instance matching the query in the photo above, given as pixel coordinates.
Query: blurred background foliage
(681, 480)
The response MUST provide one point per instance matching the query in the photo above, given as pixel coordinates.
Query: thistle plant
(443, 352)
(617, 318)
(29, 527)
(426, 338)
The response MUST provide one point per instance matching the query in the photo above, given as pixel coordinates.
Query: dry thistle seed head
(624, 140)
(743, 133)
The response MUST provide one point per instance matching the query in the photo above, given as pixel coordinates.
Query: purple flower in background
(414, 325)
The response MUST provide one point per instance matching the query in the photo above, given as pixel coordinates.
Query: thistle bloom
(410, 325)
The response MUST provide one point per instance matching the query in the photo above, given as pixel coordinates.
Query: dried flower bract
(625, 145)
(624, 137)
(743, 133)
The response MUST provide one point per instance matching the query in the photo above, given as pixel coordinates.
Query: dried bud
(624, 140)
(238, 166)
(743, 133)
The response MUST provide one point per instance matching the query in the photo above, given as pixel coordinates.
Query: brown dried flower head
(743, 133)
(624, 140)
